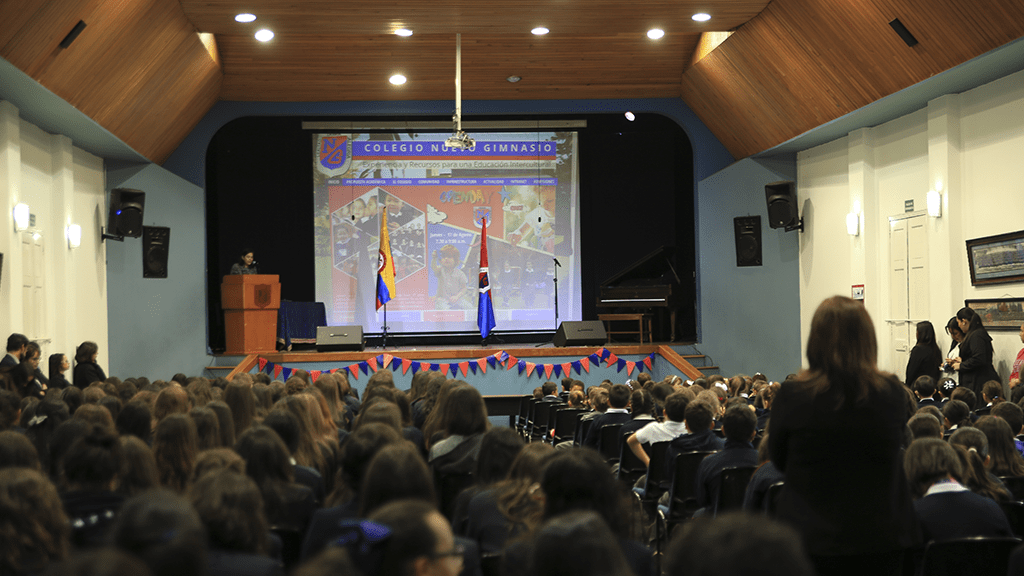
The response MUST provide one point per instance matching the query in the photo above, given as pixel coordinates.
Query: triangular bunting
(453, 368)
(530, 366)
(435, 367)
(287, 373)
(619, 365)
(648, 362)
(353, 370)
(482, 363)
(567, 368)
(372, 363)
(364, 367)
(385, 359)
(472, 366)
(511, 359)
(585, 363)
(557, 369)
(334, 370)
(521, 364)
(493, 361)
(415, 367)
(595, 359)
(262, 363)
(277, 370)
(426, 366)
(314, 374)
(605, 353)
(464, 368)
(395, 363)
(612, 358)
(405, 366)
(548, 368)
(630, 366)
(504, 355)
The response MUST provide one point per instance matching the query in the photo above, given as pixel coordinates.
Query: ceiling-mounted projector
(460, 141)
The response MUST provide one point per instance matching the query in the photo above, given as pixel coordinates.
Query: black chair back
(609, 441)
(540, 419)
(658, 480)
(1016, 486)
(733, 487)
(582, 429)
(565, 423)
(968, 557)
(448, 485)
(683, 492)
(524, 413)
(291, 545)
(771, 498)
(490, 564)
(630, 467)
(1015, 516)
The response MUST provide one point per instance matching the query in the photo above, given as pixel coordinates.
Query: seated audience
(163, 530)
(972, 448)
(16, 451)
(925, 426)
(1006, 460)
(672, 428)
(462, 430)
(702, 438)
(1014, 417)
(739, 425)
(946, 508)
(617, 413)
(33, 525)
(138, 472)
(766, 475)
(288, 504)
(175, 449)
(736, 544)
(584, 532)
(90, 470)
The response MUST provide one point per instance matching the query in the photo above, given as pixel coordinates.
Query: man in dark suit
(550, 390)
(617, 413)
(17, 344)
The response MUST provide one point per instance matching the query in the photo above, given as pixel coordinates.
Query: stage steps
(697, 359)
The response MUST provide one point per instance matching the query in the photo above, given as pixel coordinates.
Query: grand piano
(651, 283)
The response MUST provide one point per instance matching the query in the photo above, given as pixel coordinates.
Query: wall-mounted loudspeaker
(583, 333)
(156, 242)
(125, 216)
(339, 338)
(782, 209)
(748, 240)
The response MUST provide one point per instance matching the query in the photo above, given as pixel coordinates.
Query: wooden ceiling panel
(583, 66)
(802, 63)
(138, 68)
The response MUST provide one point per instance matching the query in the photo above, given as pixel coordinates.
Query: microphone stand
(384, 328)
(555, 280)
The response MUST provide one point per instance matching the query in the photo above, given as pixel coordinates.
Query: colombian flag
(484, 309)
(385, 266)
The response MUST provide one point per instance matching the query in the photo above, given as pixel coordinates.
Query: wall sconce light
(74, 235)
(853, 224)
(21, 217)
(934, 203)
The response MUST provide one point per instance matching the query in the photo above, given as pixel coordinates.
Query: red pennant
(512, 361)
(585, 362)
(548, 369)
(530, 366)
(647, 362)
(314, 374)
(567, 369)
(262, 363)
(482, 363)
(425, 366)
(387, 361)
(354, 370)
(464, 368)
(630, 366)
(372, 363)
(333, 370)
(612, 359)
(277, 371)
(406, 363)
(444, 368)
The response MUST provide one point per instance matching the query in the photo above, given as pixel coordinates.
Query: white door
(33, 312)
(908, 281)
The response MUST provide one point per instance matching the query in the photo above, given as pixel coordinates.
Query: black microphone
(556, 262)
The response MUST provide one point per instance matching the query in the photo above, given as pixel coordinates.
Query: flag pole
(384, 328)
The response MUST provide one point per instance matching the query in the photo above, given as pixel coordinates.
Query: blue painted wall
(749, 317)
(157, 326)
(167, 318)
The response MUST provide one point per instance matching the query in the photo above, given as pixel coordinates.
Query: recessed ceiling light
(630, 116)
(403, 32)
(397, 79)
(264, 35)
(243, 18)
(701, 17)
(539, 31)
(513, 78)
(655, 33)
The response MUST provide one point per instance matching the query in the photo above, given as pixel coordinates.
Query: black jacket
(86, 373)
(976, 361)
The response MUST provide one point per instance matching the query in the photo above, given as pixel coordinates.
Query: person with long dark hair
(845, 493)
(58, 366)
(925, 356)
(246, 264)
(87, 370)
(975, 361)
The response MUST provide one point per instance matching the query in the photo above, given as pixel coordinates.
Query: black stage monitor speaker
(583, 333)
(748, 240)
(781, 198)
(126, 208)
(339, 338)
(156, 243)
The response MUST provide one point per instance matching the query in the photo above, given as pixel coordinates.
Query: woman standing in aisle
(975, 361)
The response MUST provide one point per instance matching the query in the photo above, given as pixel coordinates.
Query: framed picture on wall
(996, 259)
(999, 313)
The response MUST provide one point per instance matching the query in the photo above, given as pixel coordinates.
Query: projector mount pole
(458, 84)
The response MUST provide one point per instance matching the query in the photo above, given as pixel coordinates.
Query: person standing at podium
(245, 265)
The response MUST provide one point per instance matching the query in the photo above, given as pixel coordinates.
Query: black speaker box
(781, 199)
(339, 338)
(582, 333)
(126, 208)
(748, 240)
(156, 243)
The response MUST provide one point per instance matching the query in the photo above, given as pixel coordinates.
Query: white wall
(968, 146)
(62, 185)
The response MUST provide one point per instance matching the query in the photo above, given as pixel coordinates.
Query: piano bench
(643, 324)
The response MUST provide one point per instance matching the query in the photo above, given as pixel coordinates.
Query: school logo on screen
(334, 154)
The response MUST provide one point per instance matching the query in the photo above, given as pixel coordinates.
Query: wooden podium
(250, 303)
